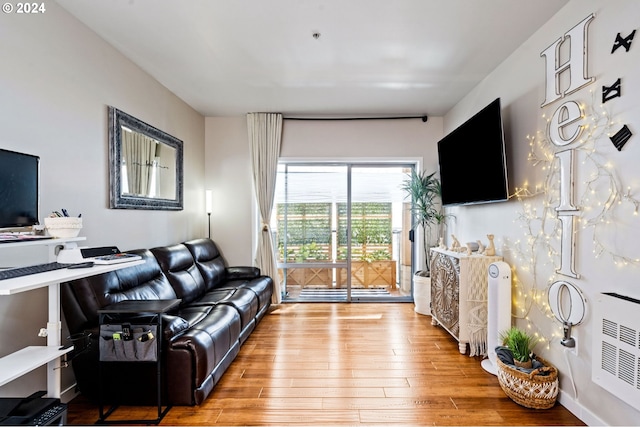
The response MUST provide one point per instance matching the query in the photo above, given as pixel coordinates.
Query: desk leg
(54, 326)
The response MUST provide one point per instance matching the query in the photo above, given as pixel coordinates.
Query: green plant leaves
(519, 342)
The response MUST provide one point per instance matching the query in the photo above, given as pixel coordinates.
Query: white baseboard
(576, 408)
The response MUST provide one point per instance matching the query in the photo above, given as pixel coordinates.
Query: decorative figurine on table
(455, 245)
(491, 249)
(441, 244)
(481, 247)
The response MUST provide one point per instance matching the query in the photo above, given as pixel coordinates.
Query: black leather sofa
(220, 307)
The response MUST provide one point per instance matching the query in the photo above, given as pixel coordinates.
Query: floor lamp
(208, 203)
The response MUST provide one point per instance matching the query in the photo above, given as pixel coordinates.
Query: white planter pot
(422, 294)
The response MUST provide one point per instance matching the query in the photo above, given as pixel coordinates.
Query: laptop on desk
(114, 258)
(107, 255)
(101, 255)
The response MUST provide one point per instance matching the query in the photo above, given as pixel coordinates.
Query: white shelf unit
(27, 359)
(23, 361)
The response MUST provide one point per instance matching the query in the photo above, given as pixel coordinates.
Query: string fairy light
(538, 252)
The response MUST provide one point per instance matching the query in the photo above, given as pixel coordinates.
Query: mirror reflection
(146, 165)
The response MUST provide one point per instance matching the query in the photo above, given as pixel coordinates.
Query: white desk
(29, 358)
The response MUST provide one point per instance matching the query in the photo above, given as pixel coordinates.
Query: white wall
(56, 80)
(229, 176)
(520, 81)
(228, 171)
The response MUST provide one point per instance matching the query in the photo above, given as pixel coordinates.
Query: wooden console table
(459, 297)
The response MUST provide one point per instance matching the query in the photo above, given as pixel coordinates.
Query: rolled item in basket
(506, 357)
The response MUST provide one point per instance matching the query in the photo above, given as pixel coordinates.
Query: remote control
(126, 332)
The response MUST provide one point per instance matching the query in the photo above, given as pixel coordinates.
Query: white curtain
(140, 158)
(265, 134)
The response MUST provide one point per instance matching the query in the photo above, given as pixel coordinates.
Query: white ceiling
(372, 57)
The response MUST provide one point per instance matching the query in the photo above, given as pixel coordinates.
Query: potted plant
(521, 344)
(424, 190)
(530, 380)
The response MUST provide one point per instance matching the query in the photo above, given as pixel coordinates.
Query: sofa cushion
(262, 286)
(207, 342)
(210, 262)
(178, 265)
(242, 299)
(194, 314)
(246, 302)
(214, 297)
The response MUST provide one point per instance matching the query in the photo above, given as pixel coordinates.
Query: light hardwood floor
(355, 364)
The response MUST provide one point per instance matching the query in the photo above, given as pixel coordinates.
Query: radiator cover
(616, 346)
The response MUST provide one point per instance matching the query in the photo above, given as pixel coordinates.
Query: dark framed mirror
(145, 165)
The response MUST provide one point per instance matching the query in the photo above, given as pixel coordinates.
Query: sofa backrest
(209, 261)
(81, 299)
(178, 265)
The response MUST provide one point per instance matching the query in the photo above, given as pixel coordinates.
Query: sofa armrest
(173, 326)
(236, 273)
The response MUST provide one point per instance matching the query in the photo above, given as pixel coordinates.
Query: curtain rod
(423, 118)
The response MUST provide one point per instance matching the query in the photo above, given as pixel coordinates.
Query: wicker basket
(531, 391)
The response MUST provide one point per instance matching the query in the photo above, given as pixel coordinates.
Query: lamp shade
(208, 201)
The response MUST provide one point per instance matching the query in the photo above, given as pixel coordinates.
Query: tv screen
(18, 189)
(473, 167)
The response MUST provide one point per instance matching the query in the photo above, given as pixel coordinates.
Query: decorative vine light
(601, 192)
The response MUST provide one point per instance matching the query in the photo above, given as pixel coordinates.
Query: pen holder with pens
(63, 227)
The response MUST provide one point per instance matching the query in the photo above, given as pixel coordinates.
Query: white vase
(422, 294)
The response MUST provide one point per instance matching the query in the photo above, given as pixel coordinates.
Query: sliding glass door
(342, 232)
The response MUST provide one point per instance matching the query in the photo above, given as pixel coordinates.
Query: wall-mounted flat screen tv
(473, 164)
(19, 191)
